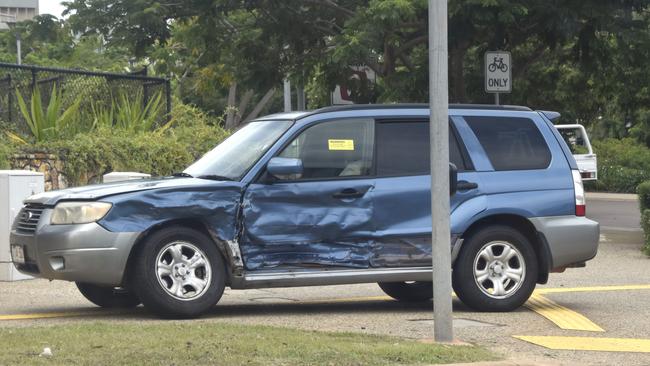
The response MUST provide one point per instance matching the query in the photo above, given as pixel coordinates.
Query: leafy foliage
(644, 204)
(643, 190)
(622, 165)
(6, 149)
(49, 41)
(586, 59)
(132, 115)
(645, 224)
(89, 155)
(51, 122)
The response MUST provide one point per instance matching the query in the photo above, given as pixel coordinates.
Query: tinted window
(403, 148)
(511, 143)
(341, 148)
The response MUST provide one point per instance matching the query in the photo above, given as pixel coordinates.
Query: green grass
(194, 343)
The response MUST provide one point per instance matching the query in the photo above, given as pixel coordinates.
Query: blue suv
(339, 195)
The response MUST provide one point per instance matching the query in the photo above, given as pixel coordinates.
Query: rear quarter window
(511, 143)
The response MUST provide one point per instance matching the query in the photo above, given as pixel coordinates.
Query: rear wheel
(179, 273)
(496, 269)
(108, 297)
(408, 291)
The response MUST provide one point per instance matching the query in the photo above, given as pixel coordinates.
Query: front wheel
(496, 269)
(408, 291)
(107, 296)
(179, 273)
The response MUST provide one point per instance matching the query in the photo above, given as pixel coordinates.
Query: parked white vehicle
(578, 141)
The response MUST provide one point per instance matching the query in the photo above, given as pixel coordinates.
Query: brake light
(579, 190)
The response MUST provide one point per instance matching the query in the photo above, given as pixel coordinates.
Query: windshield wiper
(214, 177)
(182, 174)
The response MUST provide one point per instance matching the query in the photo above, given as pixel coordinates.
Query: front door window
(334, 149)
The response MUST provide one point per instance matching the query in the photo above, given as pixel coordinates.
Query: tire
(108, 297)
(178, 273)
(495, 255)
(492, 67)
(408, 291)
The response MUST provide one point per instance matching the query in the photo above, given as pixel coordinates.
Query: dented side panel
(214, 203)
(301, 223)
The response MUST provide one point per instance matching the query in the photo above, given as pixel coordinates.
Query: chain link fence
(92, 89)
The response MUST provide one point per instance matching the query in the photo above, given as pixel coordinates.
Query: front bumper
(571, 239)
(84, 253)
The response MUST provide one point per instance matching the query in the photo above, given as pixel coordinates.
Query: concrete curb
(611, 196)
(503, 363)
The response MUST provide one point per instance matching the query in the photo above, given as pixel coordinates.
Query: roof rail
(355, 107)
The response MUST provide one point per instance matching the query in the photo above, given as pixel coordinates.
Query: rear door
(525, 176)
(402, 195)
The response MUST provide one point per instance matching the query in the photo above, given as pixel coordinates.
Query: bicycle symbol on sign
(498, 63)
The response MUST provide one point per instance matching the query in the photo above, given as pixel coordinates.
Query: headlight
(79, 212)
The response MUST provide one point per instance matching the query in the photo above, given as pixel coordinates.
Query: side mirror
(453, 179)
(283, 168)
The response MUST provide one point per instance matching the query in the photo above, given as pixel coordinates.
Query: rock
(47, 352)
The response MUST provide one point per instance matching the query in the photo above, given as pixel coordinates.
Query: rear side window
(403, 148)
(511, 143)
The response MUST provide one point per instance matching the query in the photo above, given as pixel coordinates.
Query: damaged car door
(313, 205)
(402, 194)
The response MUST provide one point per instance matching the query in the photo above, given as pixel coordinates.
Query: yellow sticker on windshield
(340, 144)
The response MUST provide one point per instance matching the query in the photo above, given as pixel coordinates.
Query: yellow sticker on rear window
(340, 144)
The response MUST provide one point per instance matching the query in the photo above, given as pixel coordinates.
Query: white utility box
(121, 176)
(15, 186)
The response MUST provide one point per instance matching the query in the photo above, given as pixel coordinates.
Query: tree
(48, 41)
(584, 58)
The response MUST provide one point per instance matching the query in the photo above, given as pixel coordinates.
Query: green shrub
(5, 153)
(131, 114)
(51, 122)
(643, 191)
(617, 179)
(622, 165)
(195, 129)
(90, 155)
(645, 223)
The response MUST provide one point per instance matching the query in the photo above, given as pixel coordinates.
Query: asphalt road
(620, 312)
(613, 213)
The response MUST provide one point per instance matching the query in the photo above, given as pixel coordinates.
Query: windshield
(233, 157)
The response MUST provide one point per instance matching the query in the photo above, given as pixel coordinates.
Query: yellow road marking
(56, 314)
(590, 343)
(592, 289)
(562, 317)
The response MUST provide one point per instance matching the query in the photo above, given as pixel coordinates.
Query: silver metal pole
(301, 103)
(439, 137)
(287, 95)
(18, 49)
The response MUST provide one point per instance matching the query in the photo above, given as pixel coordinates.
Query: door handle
(348, 193)
(464, 185)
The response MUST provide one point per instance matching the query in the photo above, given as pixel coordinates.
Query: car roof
(296, 115)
